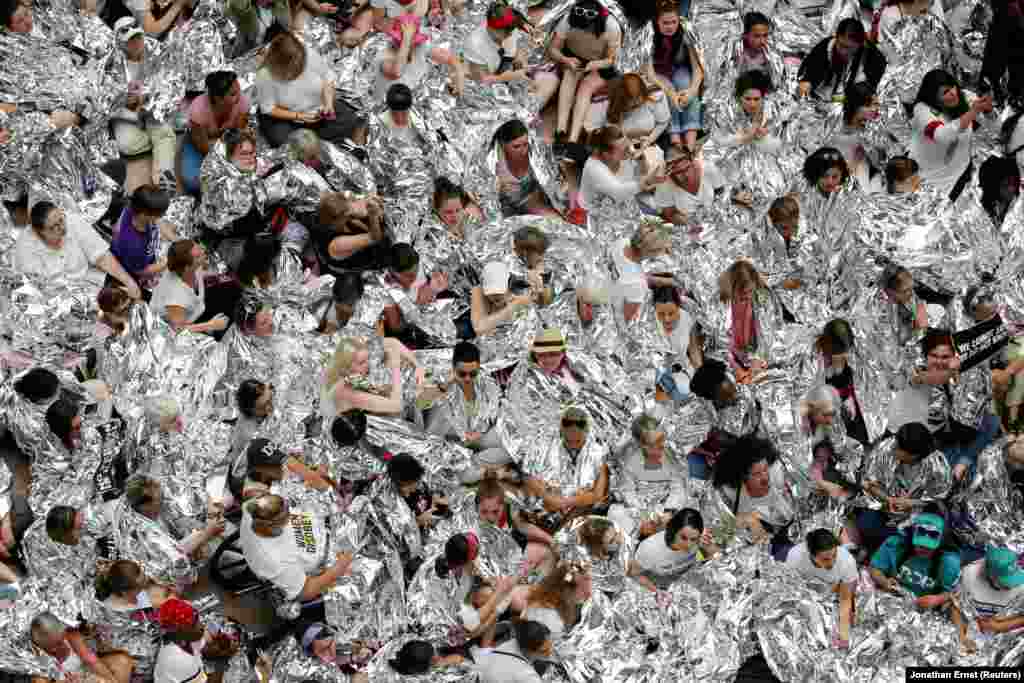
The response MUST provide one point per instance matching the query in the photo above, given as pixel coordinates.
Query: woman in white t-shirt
(608, 173)
(491, 52)
(628, 255)
(642, 112)
(821, 558)
(942, 129)
(558, 599)
(57, 245)
(662, 558)
(294, 88)
(692, 183)
(345, 386)
(180, 660)
(752, 483)
(179, 296)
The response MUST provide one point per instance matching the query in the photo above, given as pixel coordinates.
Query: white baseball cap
(127, 28)
(495, 278)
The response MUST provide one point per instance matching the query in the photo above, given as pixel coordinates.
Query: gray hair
(301, 142)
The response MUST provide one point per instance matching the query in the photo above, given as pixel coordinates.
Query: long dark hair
(597, 25)
(738, 460)
(857, 95)
(59, 417)
(991, 176)
(509, 131)
(928, 93)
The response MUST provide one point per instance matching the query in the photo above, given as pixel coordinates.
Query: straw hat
(549, 340)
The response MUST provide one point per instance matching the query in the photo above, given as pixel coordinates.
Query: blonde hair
(649, 240)
(557, 591)
(740, 273)
(341, 362)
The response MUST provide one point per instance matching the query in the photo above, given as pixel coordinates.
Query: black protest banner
(979, 343)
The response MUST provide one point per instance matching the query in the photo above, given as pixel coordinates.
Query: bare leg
(566, 95)
(355, 34)
(121, 665)
(590, 85)
(546, 84)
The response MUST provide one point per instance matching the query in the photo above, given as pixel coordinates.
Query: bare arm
(845, 610)
(316, 585)
(200, 139)
(153, 25)
(176, 317)
(89, 657)
(483, 323)
(346, 245)
(112, 267)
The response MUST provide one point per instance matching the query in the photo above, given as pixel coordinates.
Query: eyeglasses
(469, 374)
(569, 423)
(927, 532)
(586, 13)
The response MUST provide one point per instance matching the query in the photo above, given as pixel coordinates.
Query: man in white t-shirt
(60, 245)
(993, 584)
(276, 544)
(820, 557)
(488, 46)
(692, 184)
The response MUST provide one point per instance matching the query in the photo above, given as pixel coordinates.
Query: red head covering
(508, 19)
(176, 614)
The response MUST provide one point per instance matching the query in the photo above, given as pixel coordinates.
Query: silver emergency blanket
(138, 538)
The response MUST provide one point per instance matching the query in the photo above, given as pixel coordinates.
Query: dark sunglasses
(927, 531)
(569, 422)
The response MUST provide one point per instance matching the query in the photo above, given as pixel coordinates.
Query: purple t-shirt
(135, 250)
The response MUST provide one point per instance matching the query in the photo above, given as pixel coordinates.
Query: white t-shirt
(175, 665)
(988, 600)
(598, 180)
(547, 616)
(76, 259)
(661, 562)
(843, 571)
(504, 664)
(285, 560)
(669, 195)
(299, 95)
(631, 285)
(773, 508)
(940, 148)
(172, 291)
(481, 49)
